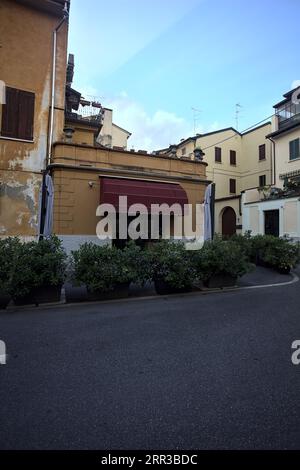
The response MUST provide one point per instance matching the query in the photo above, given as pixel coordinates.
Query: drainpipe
(273, 164)
(51, 127)
(62, 21)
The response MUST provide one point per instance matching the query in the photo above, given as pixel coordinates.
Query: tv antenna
(237, 112)
(196, 117)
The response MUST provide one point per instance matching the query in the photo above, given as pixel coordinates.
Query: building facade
(236, 162)
(110, 134)
(27, 31)
(276, 210)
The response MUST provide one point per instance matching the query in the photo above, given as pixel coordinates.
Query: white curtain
(207, 213)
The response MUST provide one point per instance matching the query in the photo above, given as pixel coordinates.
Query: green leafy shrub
(172, 263)
(38, 264)
(8, 254)
(281, 254)
(221, 257)
(102, 268)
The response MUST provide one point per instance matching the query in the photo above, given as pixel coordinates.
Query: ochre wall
(77, 189)
(26, 57)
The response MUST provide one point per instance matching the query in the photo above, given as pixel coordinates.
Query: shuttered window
(18, 114)
(262, 181)
(294, 149)
(232, 157)
(218, 154)
(262, 152)
(232, 186)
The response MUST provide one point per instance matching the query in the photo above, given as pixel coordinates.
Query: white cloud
(295, 84)
(149, 131)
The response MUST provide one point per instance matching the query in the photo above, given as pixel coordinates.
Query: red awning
(141, 192)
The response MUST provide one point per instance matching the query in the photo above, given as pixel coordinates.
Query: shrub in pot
(8, 252)
(281, 255)
(106, 270)
(171, 267)
(259, 245)
(39, 273)
(219, 263)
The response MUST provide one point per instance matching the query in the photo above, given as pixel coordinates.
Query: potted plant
(171, 267)
(8, 250)
(282, 255)
(106, 271)
(219, 263)
(39, 273)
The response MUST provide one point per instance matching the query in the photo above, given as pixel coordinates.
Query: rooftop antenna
(196, 117)
(237, 112)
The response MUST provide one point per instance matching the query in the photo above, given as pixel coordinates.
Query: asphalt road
(201, 371)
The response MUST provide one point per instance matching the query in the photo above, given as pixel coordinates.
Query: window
(232, 186)
(218, 155)
(262, 152)
(262, 181)
(18, 114)
(232, 157)
(294, 149)
(183, 151)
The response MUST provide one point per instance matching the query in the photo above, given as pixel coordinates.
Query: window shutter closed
(294, 149)
(26, 115)
(9, 126)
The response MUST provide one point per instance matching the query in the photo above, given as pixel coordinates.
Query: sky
(156, 62)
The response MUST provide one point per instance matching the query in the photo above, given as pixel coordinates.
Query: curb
(63, 304)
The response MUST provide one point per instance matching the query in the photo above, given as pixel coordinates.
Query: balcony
(89, 112)
(287, 115)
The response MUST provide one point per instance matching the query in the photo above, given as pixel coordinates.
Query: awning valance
(141, 192)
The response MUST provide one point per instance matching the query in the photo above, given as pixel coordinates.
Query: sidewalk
(259, 277)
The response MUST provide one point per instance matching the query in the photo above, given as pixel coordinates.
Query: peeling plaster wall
(26, 63)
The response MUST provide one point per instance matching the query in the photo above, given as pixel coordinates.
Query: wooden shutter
(294, 149)
(262, 152)
(232, 157)
(218, 155)
(232, 186)
(26, 115)
(9, 127)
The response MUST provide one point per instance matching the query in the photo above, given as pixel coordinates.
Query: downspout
(51, 127)
(273, 164)
(50, 142)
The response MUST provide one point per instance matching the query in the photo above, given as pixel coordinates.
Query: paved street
(199, 371)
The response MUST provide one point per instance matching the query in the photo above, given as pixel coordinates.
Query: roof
(293, 126)
(257, 127)
(54, 7)
(122, 129)
(287, 97)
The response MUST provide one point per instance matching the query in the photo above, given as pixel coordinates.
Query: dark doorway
(272, 222)
(228, 222)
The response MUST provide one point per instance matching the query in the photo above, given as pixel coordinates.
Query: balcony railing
(90, 112)
(288, 114)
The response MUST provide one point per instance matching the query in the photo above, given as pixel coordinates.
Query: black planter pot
(40, 295)
(4, 301)
(284, 270)
(163, 288)
(218, 281)
(120, 291)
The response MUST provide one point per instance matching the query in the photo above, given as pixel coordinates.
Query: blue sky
(152, 61)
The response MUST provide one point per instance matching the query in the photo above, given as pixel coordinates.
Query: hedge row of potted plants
(33, 273)
(269, 251)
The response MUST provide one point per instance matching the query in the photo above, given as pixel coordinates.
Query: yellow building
(47, 127)
(236, 162)
(29, 62)
(276, 210)
(110, 134)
